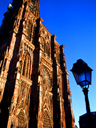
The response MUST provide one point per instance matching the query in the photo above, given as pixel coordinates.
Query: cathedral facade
(34, 85)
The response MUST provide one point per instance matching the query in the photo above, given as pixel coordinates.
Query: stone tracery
(46, 120)
(46, 97)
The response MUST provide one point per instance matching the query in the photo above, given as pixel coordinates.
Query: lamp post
(82, 74)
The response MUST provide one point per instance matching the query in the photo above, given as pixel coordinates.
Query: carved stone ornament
(21, 119)
(46, 120)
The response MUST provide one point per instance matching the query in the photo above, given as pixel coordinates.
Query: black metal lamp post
(82, 74)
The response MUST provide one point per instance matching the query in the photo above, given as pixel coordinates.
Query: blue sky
(74, 24)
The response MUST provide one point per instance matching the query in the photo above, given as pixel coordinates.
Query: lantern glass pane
(88, 76)
(79, 77)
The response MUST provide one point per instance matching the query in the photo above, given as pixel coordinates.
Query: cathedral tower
(34, 86)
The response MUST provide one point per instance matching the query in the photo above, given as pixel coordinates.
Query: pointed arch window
(27, 66)
(12, 126)
(2, 61)
(29, 30)
(47, 49)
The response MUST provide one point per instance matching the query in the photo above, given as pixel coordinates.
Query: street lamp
(82, 74)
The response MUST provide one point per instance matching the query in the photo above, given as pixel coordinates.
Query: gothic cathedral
(34, 86)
